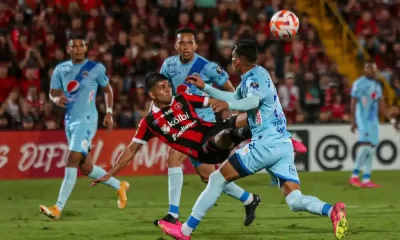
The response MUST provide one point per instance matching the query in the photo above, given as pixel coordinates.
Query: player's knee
(238, 135)
(205, 171)
(223, 139)
(74, 159)
(204, 179)
(217, 178)
(85, 171)
(175, 159)
(295, 201)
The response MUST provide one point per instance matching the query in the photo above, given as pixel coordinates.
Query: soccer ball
(284, 24)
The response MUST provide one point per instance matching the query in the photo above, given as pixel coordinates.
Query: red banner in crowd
(42, 154)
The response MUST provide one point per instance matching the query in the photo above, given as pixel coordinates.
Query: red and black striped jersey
(177, 125)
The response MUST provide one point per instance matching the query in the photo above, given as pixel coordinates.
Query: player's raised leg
(249, 200)
(285, 172)
(96, 172)
(175, 182)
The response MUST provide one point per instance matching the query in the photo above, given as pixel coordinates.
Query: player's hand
(61, 101)
(353, 128)
(218, 106)
(395, 124)
(105, 178)
(196, 80)
(108, 121)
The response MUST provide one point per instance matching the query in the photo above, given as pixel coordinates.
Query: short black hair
(248, 49)
(152, 79)
(185, 30)
(369, 61)
(76, 36)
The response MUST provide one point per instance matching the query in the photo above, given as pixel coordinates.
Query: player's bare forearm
(108, 96)
(127, 156)
(383, 108)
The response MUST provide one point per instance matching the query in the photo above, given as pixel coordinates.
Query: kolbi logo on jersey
(178, 119)
(73, 87)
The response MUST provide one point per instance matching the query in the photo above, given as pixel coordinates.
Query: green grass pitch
(92, 213)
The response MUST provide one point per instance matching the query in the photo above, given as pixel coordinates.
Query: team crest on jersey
(178, 106)
(73, 87)
(85, 74)
(219, 70)
(254, 85)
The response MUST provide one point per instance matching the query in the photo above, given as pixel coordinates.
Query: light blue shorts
(368, 134)
(80, 136)
(277, 159)
(208, 118)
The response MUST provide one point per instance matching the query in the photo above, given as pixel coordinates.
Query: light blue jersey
(79, 83)
(270, 147)
(210, 72)
(267, 122)
(368, 92)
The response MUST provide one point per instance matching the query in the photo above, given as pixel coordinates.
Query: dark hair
(152, 79)
(76, 36)
(248, 49)
(370, 61)
(185, 30)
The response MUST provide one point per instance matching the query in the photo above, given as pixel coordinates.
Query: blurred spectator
(133, 38)
(289, 97)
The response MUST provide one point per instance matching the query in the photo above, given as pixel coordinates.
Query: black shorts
(215, 155)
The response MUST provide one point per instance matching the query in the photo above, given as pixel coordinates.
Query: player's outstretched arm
(123, 160)
(213, 92)
(109, 99)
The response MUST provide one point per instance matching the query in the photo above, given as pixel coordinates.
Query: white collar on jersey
(156, 109)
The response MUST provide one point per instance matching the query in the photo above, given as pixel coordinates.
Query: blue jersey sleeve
(355, 91)
(164, 69)
(256, 88)
(102, 78)
(56, 81)
(215, 73)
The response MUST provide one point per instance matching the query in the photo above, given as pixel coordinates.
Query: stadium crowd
(376, 24)
(132, 38)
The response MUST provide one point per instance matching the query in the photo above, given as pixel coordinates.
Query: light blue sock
(302, 203)
(238, 193)
(362, 154)
(175, 183)
(368, 166)
(99, 172)
(66, 187)
(206, 200)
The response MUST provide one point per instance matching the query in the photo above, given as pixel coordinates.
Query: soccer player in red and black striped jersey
(174, 121)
